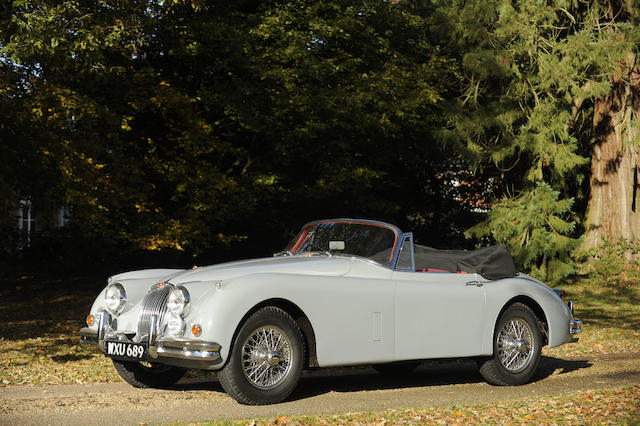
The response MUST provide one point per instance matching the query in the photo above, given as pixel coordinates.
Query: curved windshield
(373, 241)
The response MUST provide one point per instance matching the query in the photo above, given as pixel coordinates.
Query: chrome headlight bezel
(179, 301)
(115, 298)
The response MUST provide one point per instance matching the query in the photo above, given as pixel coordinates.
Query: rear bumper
(575, 325)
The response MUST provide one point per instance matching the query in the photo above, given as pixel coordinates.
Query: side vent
(377, 326)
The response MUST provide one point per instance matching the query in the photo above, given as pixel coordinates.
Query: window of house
(62, 217)
(26, 221)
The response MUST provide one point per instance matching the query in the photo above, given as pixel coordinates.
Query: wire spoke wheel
(516, 348)
(515, 344)
(266, 357)
(266, 360)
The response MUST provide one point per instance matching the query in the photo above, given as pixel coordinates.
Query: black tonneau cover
(493, 262)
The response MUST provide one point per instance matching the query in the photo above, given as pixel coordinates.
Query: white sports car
(344, 292)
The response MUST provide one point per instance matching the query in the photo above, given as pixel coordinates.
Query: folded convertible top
(493, 262)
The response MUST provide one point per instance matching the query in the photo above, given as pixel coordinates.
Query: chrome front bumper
(88, 336)
(174, 351)
(189, 349)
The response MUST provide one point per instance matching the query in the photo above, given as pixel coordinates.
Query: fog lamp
(174, 325)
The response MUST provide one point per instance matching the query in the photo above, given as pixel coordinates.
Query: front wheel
(516, 348)
(266, 360)
(148, 375)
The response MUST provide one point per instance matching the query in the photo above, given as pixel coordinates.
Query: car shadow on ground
(355, 379)
(549, 365)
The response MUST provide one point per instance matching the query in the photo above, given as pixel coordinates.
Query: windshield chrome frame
(406, 237)
(397, 243)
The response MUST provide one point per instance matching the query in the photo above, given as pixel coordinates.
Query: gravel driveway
(322, 391)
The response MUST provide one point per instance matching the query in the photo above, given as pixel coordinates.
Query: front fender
(502, 292)
(221, 310)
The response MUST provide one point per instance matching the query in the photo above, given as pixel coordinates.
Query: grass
(610, 406)
(40, 319)
(39, 324)
(610, 315)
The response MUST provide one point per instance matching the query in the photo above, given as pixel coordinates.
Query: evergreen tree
(540, 80)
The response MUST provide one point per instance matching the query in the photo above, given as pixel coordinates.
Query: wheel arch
(301, 319)
(537, 310)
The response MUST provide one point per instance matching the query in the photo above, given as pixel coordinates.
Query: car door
(438, 314)
(353, 316)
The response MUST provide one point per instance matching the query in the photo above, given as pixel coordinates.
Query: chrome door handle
(475, 283)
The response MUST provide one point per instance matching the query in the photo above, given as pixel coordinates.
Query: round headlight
(174, 325)
(115, 297)
(178, 301)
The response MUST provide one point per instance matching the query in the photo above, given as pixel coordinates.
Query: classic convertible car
(344, 292)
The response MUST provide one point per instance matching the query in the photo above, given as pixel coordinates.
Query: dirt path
(322, 391)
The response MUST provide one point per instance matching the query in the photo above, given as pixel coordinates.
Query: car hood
(302, 264)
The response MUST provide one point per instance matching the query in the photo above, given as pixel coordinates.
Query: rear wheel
(516, 348)
(148, 375)
(266, 361)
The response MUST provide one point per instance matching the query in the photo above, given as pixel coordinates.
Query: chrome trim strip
(153, 336)
(195, 350)
(413, 254)
(189, 344)
(407, 238)
(104, 327)
(153, 330)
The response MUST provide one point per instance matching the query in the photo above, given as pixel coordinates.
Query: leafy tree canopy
(194, 125)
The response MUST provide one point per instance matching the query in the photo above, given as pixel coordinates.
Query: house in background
(30, 221)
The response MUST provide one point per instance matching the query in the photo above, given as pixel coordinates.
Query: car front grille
(154, 304)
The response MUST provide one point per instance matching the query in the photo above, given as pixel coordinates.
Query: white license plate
(125, 350)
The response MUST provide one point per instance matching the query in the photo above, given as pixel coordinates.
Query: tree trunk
(613, 211)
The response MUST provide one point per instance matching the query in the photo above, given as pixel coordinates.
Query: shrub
(537, 227)
(614, 264)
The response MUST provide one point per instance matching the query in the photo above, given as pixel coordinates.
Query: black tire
(397, 368)
(515, 359)
(148, 376)
(275, 369)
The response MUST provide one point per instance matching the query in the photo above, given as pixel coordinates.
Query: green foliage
(191, 126)
(536, 227)
(532, 72)
(195, 127)
(615, 264)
